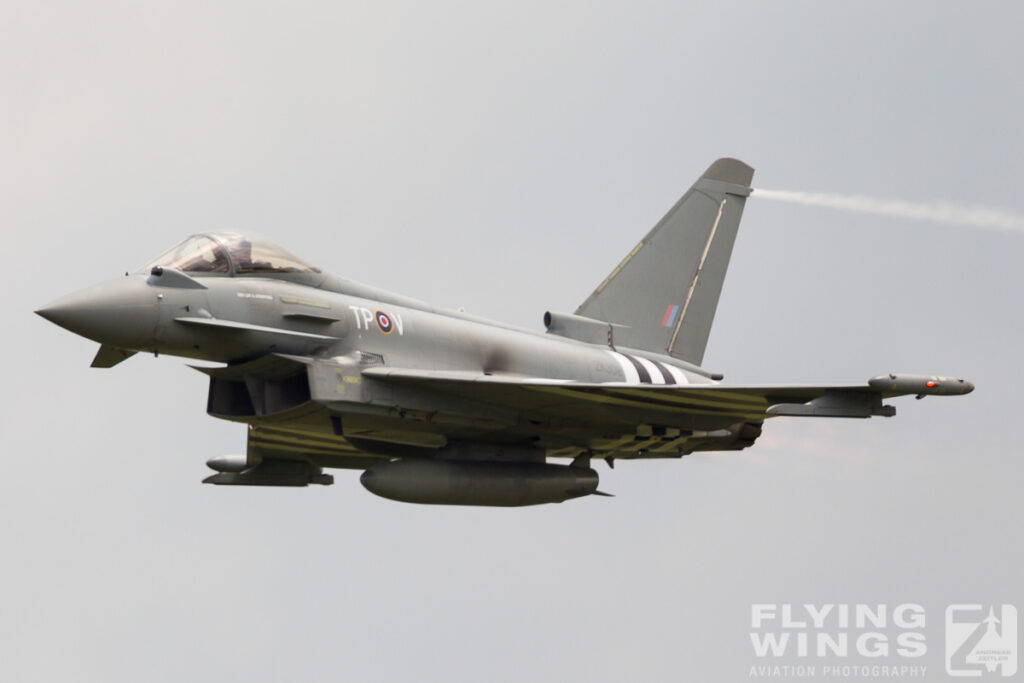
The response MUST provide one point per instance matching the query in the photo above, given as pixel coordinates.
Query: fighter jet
(441, 407)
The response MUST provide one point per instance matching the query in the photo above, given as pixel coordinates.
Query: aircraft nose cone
(70, 312)
(120, 312)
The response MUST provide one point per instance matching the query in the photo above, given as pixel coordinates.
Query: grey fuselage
(339, 317)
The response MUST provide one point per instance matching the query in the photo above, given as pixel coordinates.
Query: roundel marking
(384, 322)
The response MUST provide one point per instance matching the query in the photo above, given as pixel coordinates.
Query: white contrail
(943, 212)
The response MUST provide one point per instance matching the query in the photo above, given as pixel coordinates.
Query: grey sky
(503, 157)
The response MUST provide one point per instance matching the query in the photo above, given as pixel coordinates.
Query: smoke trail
(973, 216)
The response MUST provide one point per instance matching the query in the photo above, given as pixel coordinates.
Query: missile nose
(121, 312)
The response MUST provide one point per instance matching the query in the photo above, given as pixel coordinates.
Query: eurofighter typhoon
(441, 407)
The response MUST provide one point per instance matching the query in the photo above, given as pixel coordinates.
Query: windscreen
(197, 254)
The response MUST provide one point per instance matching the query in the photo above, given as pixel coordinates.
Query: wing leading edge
(747, 402)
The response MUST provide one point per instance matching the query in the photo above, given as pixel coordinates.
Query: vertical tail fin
(666, 289)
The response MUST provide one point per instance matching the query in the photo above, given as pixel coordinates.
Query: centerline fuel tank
(499, 484)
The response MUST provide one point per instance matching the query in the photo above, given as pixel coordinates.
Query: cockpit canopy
(229, 253)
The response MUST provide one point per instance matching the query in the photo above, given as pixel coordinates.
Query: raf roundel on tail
(463, 411)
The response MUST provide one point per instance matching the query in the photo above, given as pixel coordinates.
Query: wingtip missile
(921, 385)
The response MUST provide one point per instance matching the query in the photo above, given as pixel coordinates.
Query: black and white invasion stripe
(644, 371)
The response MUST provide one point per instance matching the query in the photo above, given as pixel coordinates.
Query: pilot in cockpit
(241, 252)
(210, 253)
